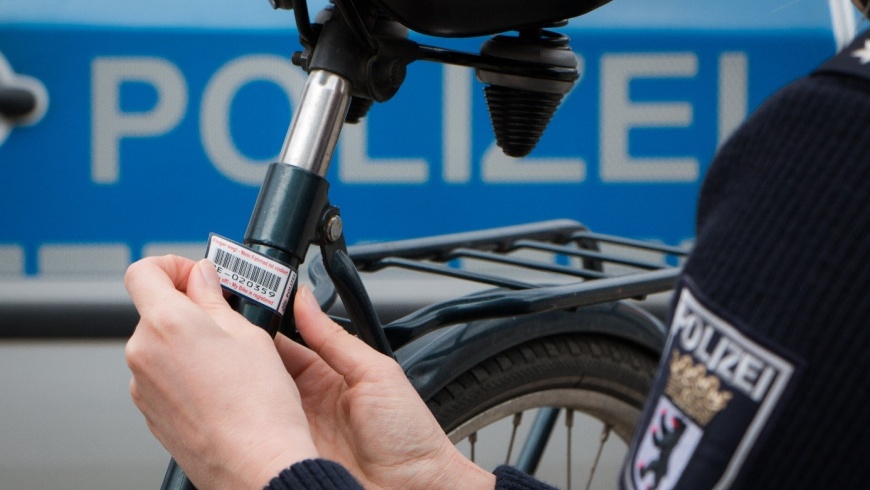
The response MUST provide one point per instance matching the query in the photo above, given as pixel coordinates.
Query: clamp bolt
(333, 228)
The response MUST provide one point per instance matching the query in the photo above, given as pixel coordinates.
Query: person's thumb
(204, 289)
(346, 354)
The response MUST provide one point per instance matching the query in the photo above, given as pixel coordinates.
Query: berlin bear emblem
(666, 442)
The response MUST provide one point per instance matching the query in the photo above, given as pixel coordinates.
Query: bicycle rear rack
(524, 269)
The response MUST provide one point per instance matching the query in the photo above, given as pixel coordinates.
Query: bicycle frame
(293, 212)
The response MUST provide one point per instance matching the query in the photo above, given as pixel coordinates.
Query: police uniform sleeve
(321, 474)
(315, 474)
(763, 380)
(510, 478)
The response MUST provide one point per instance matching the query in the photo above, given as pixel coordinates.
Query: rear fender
(435, 359)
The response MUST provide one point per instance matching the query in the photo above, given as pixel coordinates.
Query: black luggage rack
(515, 283)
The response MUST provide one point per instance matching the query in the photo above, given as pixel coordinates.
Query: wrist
(471, 476)
(282, 458)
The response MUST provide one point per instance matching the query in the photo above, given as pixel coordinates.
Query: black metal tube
(356, 24)
(537, 440)
(628, 242)
(282, 226)
(526, 263)
(589, 254)
(303, 22)
(501, 304)
(175, 479)
(442, 270)
(355, 299)
(436, 248)
(498, 65)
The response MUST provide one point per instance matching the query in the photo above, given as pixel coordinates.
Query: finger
(296, 357)
(158, 287)
(346, 354)
(154, 281)
(204, 289)
(135, 394)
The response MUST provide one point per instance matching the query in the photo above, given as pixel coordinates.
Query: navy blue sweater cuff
(314, 474)
(510, 478)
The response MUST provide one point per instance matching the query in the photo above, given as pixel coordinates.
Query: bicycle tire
(603, 378)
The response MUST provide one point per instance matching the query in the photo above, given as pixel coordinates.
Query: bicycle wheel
(598, 383)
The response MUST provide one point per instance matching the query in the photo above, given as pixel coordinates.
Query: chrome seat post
(316, 125)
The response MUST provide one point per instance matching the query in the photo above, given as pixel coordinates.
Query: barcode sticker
(251, 274)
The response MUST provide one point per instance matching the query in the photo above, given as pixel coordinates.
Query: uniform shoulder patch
(716, 389)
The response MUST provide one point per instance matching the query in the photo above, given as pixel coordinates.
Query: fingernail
(308, 297)
(209, 274)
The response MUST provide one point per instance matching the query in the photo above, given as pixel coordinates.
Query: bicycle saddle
(467, 18)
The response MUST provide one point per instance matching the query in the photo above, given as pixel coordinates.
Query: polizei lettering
(695, 331)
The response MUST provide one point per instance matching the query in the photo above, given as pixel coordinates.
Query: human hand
(365, 414)
(211, 386)
(215, 393)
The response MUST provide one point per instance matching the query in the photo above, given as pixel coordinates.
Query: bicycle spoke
(518, 418)
(605, 434)
(569, 424)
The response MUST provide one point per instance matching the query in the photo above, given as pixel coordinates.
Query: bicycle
(564, 341)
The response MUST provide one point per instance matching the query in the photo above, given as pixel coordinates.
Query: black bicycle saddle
(467, 18)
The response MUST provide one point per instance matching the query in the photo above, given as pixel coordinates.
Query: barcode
(247, 270)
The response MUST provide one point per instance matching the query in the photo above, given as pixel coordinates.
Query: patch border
(687, 298)
(766, 408)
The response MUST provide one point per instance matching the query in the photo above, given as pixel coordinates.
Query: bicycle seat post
(314, 131)
(293, 197)
(294, 193)
(291, 201)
